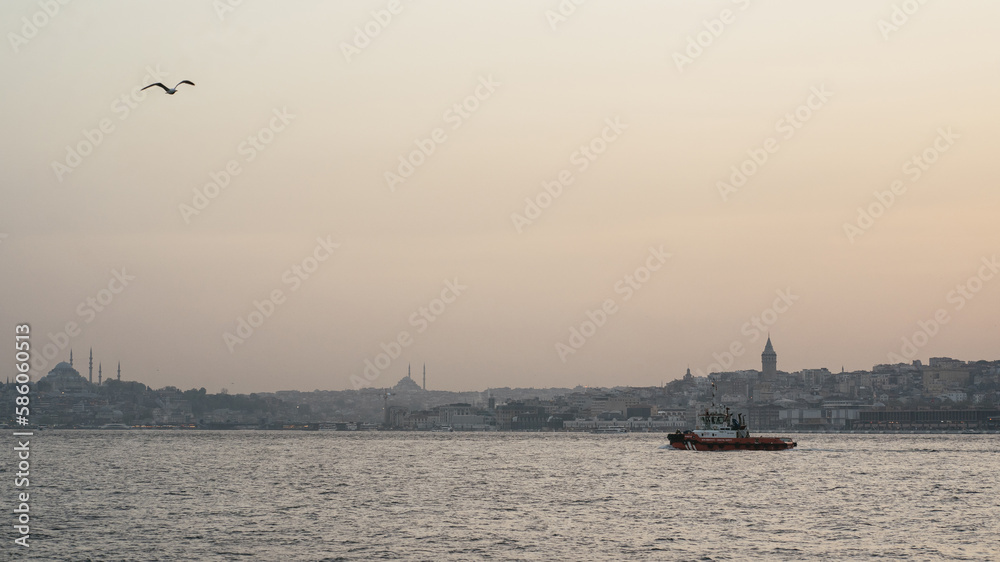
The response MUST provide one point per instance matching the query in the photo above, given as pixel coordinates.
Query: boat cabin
(719, 422)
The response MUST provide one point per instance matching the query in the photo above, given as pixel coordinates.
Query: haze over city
(514, 193)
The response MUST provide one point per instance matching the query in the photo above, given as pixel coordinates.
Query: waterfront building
(941, 379)
(896, 420)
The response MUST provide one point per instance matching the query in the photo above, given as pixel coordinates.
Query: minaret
(91, 369)
(119, 370)
(98, 374)
(408, 370)
(71, 357)
(425, 376)
(769, 362)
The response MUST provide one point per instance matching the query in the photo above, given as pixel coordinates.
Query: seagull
(170, 91)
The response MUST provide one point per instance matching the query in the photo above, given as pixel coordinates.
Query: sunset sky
(379, 170)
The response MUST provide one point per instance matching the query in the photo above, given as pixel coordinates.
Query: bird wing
(184, 82)
(165, 89)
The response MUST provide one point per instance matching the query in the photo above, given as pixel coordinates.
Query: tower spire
(769, 361)
(90, 370)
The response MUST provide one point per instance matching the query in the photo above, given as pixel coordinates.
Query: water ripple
(392, 496)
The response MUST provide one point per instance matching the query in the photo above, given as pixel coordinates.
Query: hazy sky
(647, 110)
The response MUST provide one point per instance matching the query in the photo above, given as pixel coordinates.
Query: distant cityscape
(943, 395)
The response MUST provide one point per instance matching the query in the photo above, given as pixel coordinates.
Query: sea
(287, 495)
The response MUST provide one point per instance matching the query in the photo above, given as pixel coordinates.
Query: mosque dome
(406, 383)
(63, 377)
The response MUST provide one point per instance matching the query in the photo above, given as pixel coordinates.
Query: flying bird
(170, 91)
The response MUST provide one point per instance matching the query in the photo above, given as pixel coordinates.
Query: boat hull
(693, 442)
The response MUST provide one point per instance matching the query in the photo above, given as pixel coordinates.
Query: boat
(115, 426)
(610, 429)
(719, 429)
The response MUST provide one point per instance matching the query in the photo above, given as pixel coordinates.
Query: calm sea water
(134, 495)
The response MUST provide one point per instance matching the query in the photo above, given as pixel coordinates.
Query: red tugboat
(719, 430)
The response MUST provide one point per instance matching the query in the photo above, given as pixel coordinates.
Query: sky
(518, 193)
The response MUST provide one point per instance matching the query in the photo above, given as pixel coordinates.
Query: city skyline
(943, 393)
(547, 195)
(767, 374)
